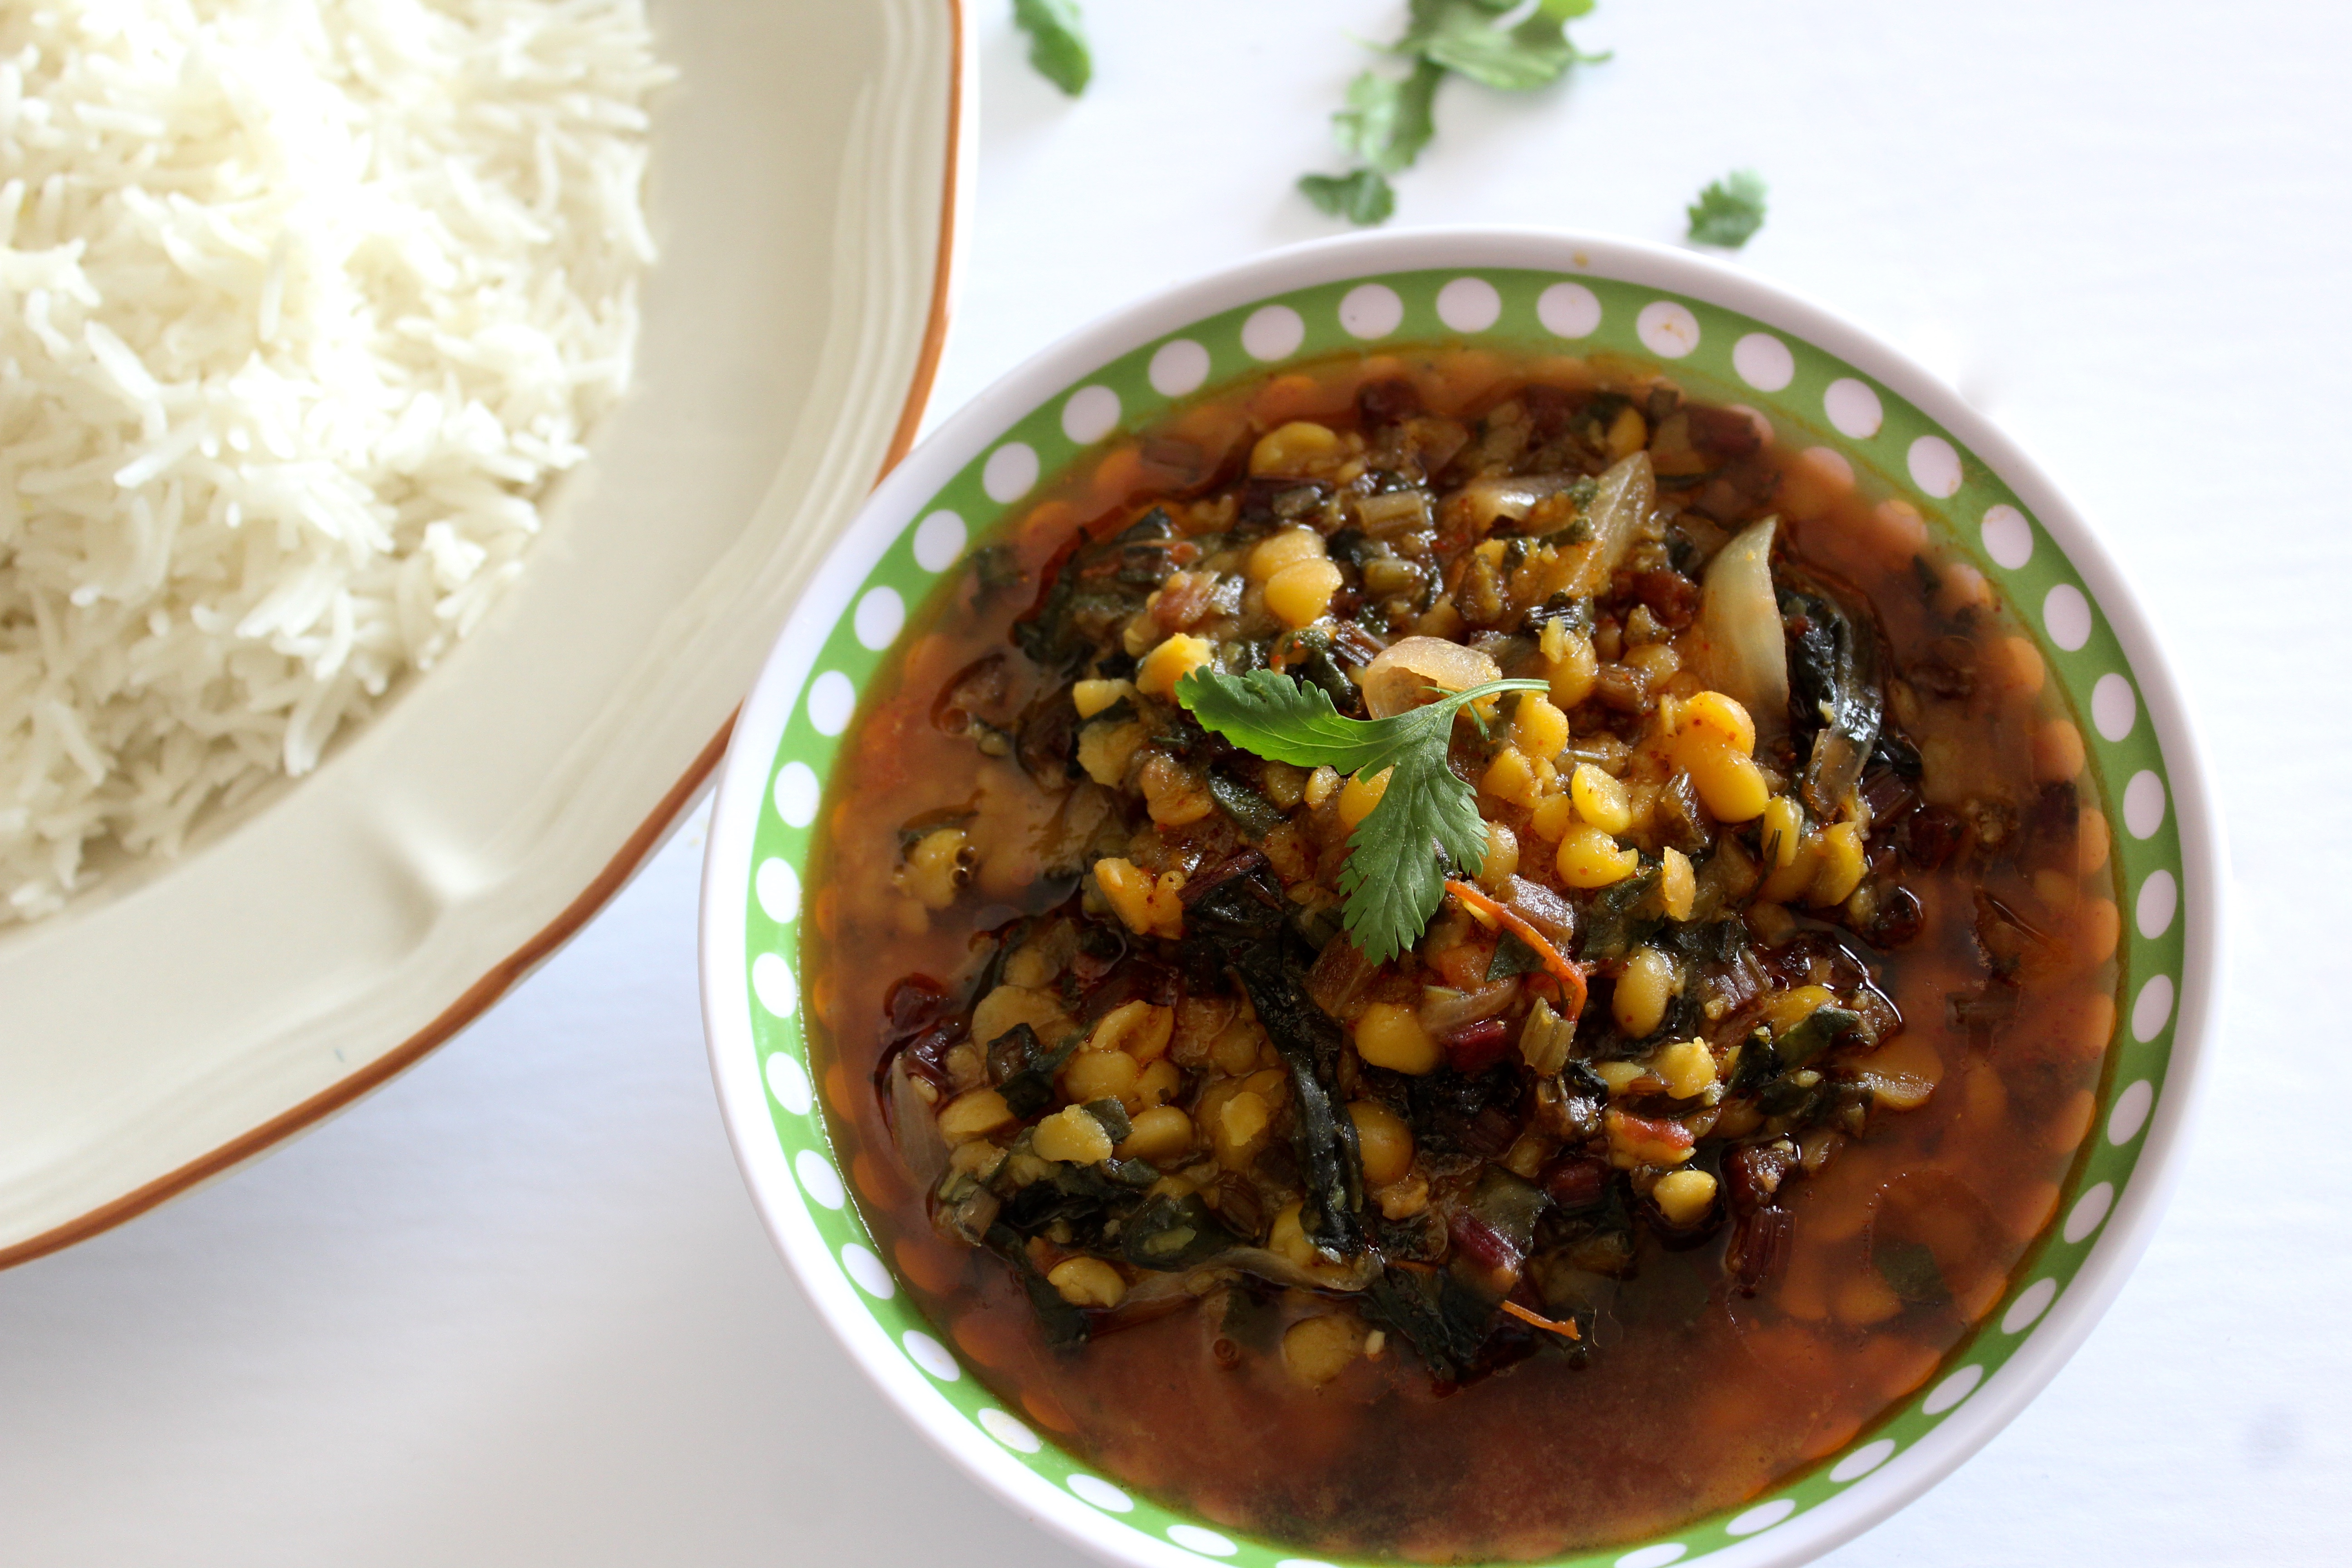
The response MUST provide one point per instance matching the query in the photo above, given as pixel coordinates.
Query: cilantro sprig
(1393, 880)
(1389, 120)
(1729, 211)
(1057, 42)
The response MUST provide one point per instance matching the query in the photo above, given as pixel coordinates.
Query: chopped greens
(1393, 880)
(1728, 212)
(1389, 120)
(1057, 42)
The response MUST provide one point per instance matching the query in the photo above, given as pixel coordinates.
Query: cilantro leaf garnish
(1462, 35)
(1387, 121)
(1057, 42)
(1395, 879)
(1728, 212)
(1363, 199)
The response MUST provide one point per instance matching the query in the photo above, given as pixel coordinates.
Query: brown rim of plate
(641, 843)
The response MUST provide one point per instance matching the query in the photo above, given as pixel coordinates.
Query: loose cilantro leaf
(1387, 121)
(1728, 212)
(1363, 199)
(1395, 879)
(1057, 42)
(1462, 35)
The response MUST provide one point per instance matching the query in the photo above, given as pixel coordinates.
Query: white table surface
(515, 1309)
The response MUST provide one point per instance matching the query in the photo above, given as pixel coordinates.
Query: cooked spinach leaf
(1252, 813)
(1023, 1069)
(1174, 1234)
(1911, 1270)
(1821, 1029)
(1834, 695)
(1244, 923)
(1060, 1322)
(1512, 956)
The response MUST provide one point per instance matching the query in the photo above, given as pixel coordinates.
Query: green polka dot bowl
(1720, 332)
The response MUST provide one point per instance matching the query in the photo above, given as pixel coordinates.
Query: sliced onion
(1322, 1275)
(1546, 911)
(1627, 494)
(1743, 652)
(1478, 504)
(913, 1129)
(1338, 977)
(1401, 677)
(1444, 1009)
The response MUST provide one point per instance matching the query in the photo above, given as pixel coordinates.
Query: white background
(515, 1309)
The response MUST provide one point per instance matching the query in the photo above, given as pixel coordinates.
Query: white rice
(302, 304)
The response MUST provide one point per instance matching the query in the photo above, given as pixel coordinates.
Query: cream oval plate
(803, 186)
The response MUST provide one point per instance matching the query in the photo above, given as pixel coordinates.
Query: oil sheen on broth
(1689, 1136)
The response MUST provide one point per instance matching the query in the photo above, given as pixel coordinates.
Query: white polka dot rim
(2159, 899)
(789, 1082)
(1102, 1494)
(939, 542)
(2143, 805)
(1853, 408)
(1667, 329)
(1008, 1431)
(1179, 368)
(820, 1180)
(1273, 333)
(2088, 1211)
(1656, 1556)
(1764, 361)
(1469, 304)
(831, 701)
(796, 794)
(1951, 1391)
(2008, 537)
(860, 1264)
(1372, 311)
(1764, 1515)
(1011, 473)
(2131, 1113)
(2030, 1303)
(880, 615)
(930, 1355)
(778, 887)
(2067, 617)
(1862, 1460)
(1192, 1537)
(2114, 707)
(1569, 311)
(1091, 414)
(1934, 466)
(773, 984)
(2153, 1010)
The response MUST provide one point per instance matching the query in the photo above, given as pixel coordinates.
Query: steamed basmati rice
(302, 304)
